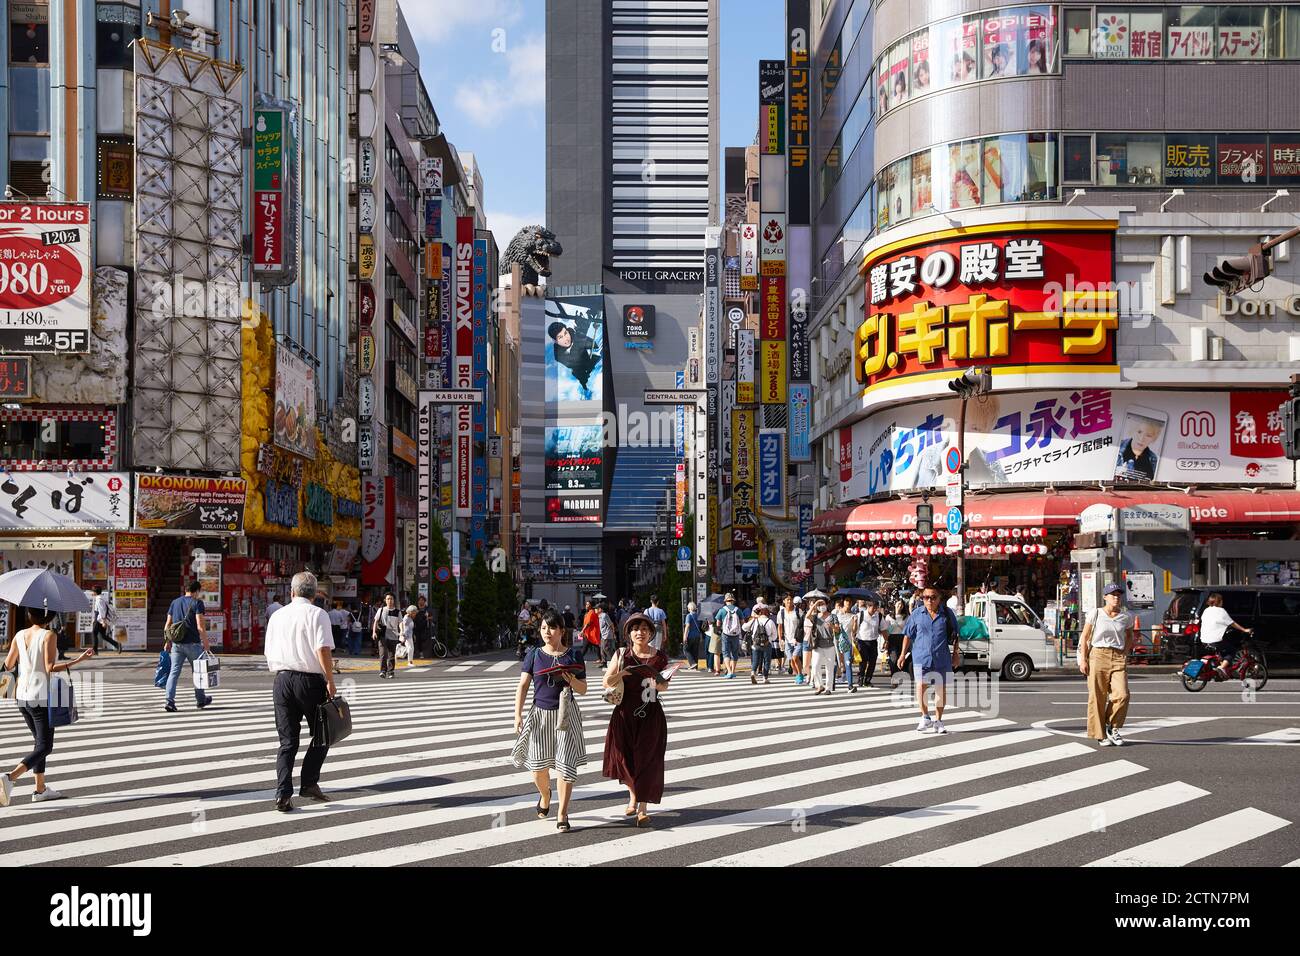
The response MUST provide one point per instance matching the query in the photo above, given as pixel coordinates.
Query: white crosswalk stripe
(755, 776)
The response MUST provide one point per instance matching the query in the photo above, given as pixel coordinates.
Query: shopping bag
(857, 655)
(163, 670)
(207, 672)
(61, 702)
(335, 723)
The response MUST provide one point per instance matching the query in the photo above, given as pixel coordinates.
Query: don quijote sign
(45, 277)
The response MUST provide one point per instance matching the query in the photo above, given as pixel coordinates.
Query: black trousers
(387, 655)
(38, 722)
(99, 632)
(297, 695)
(867, 651)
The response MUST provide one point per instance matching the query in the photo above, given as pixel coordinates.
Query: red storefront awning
(1062, 509)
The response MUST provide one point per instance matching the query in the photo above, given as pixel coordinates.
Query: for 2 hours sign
(45, 277)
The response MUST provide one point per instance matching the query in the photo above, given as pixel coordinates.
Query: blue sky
(484, 63)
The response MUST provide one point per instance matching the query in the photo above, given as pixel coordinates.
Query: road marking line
(1080, 821)
(1198, 842)
(502, 666)
(816, 846)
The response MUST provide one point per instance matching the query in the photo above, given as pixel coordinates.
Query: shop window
(29, 100)
(965, 175)
(1241, 33)
(1078, 158)
(1190, 32)
(29, 169)
(57, 438)
(922, 79)
(1129, 160)
(955, 47)
(1241, 159)
(1078, 32)
(29, 33)
(922, 184)
(115, 28)
(1289, 28)
(1189, 159)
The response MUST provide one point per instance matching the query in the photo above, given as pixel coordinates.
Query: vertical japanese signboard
(771, 471)
(772, 335)
(744, 367)
(275, 208)
(771, 107)
(749, 256)
(799, 138)
(479, 498)
(744, 535)
(463, 368)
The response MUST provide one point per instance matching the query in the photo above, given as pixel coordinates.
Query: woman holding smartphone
(550, 735)
(637, 739)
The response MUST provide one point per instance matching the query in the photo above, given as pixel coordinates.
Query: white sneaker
(1114, 737)
(925, 725)
(939, 728)
(6, 788)
(49, 793)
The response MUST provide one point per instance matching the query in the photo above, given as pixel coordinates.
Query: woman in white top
(1215, 622)
(35, 651)
(788, 621)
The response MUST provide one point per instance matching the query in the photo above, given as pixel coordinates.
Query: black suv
(1274, 613)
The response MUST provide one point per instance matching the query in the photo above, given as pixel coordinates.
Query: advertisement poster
(922, 186)
(575, 336)
(59, 501)
(1088, 435)
(1038, 31)
(181, 503)
(572, 510)
(45, 277)
(1001, 35)
(958, 49)
(965, 166)
(295, 404)
(130, 566)
(206, 568)
(94, 563)
(921, 79)
(574, 458)
(378, 531)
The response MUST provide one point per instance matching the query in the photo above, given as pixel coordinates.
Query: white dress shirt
(293, 636)
(102, 613)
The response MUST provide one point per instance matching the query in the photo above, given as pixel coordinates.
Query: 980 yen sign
(44, 277)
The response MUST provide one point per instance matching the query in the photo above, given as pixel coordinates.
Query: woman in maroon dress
(637, 738)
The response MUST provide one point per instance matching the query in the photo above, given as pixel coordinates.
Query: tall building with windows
(1038, 189)
(632, 185)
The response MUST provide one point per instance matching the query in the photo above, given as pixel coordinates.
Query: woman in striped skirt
(550, 735)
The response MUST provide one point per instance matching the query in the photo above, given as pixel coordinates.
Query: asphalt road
(766, 775)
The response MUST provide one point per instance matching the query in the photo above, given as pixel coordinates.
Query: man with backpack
(763, 636)
(185, 637)
(728, 618)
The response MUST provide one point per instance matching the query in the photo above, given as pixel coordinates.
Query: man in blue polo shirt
(929, 632)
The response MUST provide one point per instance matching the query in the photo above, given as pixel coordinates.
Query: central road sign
(954, 520)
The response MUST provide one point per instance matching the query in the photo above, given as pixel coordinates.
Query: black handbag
(335, 723)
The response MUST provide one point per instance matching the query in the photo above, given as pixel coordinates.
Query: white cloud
(434, 21)
(487, 100)
(505, 225)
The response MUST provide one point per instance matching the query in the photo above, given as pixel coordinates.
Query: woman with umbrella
(637, 739)
(34, 651)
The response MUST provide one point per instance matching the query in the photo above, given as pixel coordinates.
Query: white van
(1018, 643)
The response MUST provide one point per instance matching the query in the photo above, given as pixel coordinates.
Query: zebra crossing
(766, 775)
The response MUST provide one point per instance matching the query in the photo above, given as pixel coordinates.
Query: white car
(1018, 642)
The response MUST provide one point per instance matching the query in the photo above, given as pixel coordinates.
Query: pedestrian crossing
(756, 776)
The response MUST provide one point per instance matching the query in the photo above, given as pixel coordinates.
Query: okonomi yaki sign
(45, 277)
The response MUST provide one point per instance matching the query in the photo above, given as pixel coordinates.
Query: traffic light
(925, 519)
(973, 381)
(1240, 272)
(1291, 426)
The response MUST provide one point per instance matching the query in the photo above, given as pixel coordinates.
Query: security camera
(179, 19)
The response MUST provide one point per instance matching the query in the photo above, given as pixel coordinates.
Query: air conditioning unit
(238, 547)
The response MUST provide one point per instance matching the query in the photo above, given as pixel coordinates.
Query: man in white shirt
(660, 617)
(299, 653)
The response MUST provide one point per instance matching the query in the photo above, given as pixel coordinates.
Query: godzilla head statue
(532, 247)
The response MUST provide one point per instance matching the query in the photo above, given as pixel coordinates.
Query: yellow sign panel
(772, 368)
(749, 283)
(771, 267)
(365, 258)
(742, 467)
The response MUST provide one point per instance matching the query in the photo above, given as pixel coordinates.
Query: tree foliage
(479, 605)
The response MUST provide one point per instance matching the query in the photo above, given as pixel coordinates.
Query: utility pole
(972, 383)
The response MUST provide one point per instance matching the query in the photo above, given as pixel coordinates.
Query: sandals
(642, 820)
(562, 826)
(543, 811)
(630, 812)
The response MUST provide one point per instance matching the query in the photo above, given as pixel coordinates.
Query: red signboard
(1039, 298)
(772, 308)
(365, 304)
(1256, 420)
(130, 562)
(268, 229)
(365, 21)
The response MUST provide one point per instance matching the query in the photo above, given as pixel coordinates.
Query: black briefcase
(335, 723)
